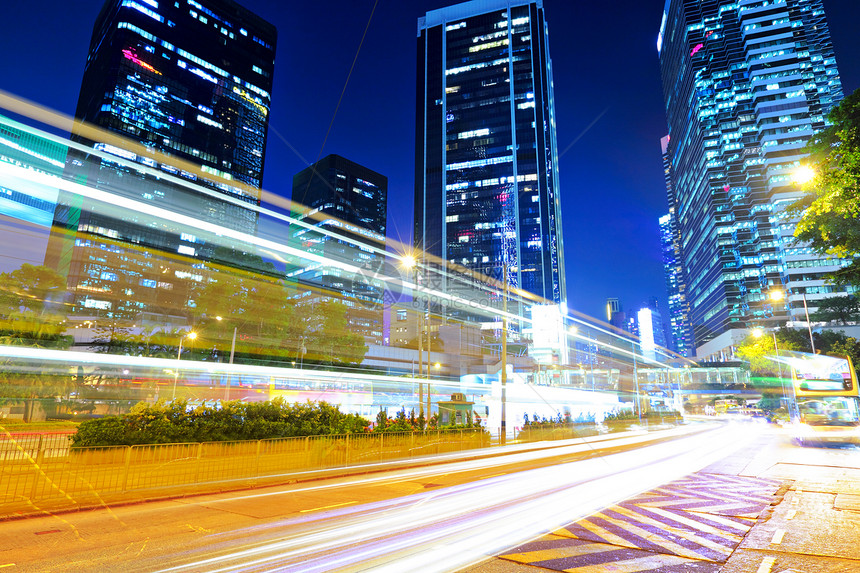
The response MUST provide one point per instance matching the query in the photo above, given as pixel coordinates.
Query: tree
(270, 321)
(756, 349)
(30, 308)
(842, 309)
(830, 220)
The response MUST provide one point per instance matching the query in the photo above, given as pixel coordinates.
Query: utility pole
(504, 375)
(230, 375)
(429, 348)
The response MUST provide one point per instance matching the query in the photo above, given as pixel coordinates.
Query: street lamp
(803, 174)
(190, 336)
(232, 354)
(410, 262)
(778, 295)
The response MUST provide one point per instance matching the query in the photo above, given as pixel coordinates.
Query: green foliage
(31, 312)
(846, 347)
(830, 219)
(756, 350)
(842, 309)
(269, 325)
(165, 423)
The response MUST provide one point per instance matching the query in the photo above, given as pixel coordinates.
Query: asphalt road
(433, 518)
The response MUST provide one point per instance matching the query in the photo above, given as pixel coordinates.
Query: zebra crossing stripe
(562, 554)
(583, 557)
(670, 536)
(648, 563)
(691, 525)
(710, 525)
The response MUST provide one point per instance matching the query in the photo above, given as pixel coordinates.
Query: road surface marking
(777, 536)
(578, 556)
(695, 523)
(327, 507)
(791, 514)
(7, 565)
(766, 565)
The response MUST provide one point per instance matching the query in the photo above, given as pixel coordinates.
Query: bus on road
(826, 398)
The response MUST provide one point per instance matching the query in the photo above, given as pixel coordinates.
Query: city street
(452, 516)
(770, 507)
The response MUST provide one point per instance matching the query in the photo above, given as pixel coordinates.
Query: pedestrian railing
(42, 473)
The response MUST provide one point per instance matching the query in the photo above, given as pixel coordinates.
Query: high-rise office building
(676, 283)
(746, 83)
(486, 174)
(190, 81)
(344, 223)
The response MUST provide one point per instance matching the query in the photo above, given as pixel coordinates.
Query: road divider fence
(42, 473)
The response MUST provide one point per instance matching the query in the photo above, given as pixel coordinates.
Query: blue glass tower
(676, 281)
(486, 169)
(746, 83)
(191, 82)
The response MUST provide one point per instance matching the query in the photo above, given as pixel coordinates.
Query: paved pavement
(772, 508)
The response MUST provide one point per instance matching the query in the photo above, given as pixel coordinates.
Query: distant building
(613, 305)
(343, 223)
(746, 84)
(191, 82)
(486, 178)
(615, 314)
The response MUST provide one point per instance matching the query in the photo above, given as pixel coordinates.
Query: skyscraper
(746, 83)
(486, 175)
(349, 200)
(190, 81)
(676, 282)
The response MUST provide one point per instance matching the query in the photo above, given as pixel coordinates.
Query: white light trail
(451, 528)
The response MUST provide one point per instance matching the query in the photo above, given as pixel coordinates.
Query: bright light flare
(803, 175)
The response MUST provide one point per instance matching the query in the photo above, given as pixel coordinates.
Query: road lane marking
(766, 565)
(7, 565)
(791, 514)
(327, 507)
(777, 537)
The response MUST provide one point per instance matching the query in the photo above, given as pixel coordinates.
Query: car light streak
(452, 527)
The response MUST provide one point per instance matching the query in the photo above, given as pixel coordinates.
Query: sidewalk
(772, 508)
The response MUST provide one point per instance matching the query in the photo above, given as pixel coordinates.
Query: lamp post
(636, 380)
(778, 295)
(190, 336)
(808, 323)
(232, 354)
(409, 262)
(758, 333)
(504, 375)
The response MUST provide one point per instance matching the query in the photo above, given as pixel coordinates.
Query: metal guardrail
(40, 472)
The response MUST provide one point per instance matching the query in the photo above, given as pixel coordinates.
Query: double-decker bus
(827, 407)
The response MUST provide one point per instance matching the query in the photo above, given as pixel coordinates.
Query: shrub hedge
(175, 422)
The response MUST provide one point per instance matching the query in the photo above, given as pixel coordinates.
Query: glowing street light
(190, 336)
(803, 175)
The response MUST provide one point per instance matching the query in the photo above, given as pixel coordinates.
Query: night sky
(608, 103)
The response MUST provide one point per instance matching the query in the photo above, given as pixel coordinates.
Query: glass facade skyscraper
(676, 282)
(191, 82)
(344, 222)
(746, 83)
(486, 181)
